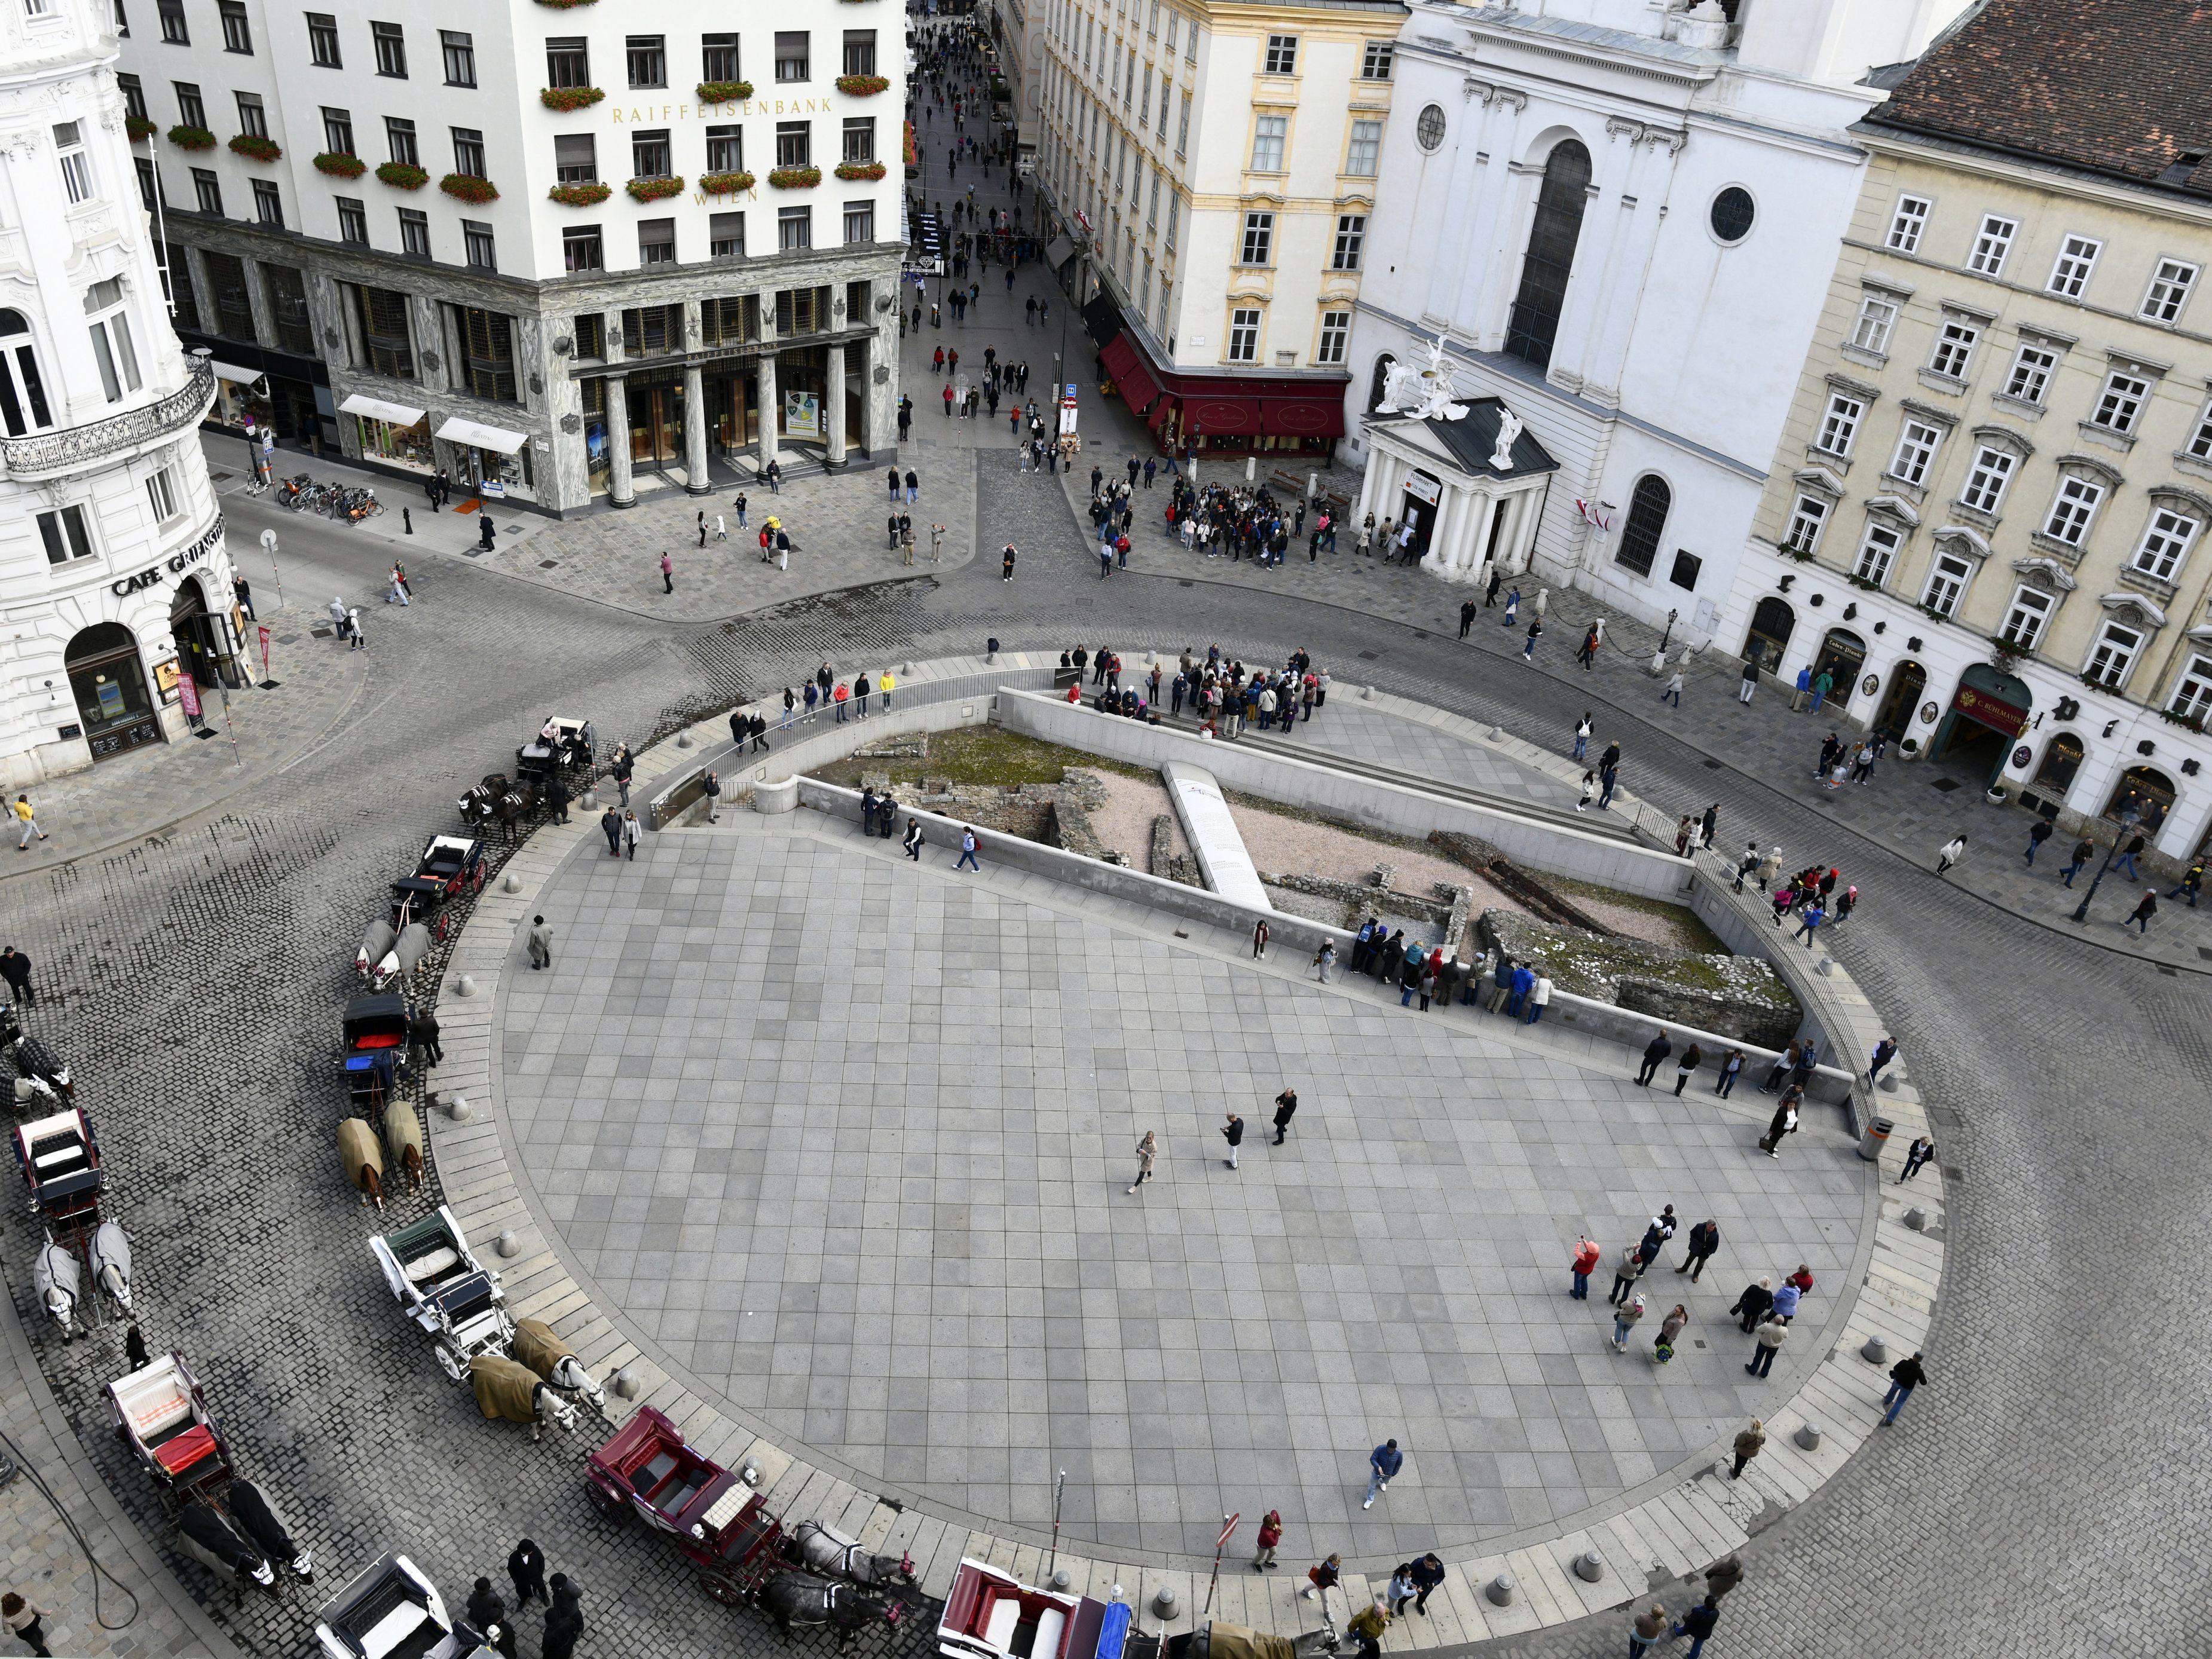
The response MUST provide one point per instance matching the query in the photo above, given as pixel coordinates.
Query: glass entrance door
(656, 422)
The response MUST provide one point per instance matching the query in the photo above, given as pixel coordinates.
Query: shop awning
(377, 409)
(224, 371)
(1058, 252)
(1130, 375)
(1302, 416)
(1221, 417)
(458, 431)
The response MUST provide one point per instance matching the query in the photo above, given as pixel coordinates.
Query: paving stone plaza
(845, 1139)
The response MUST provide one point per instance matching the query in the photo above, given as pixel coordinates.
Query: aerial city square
(1104, 829)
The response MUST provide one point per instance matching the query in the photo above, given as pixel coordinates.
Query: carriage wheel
(478, 885)
(604, 1502)
(444, 923)
(721, 1589)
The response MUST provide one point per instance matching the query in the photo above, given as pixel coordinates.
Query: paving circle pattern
(844, 1139)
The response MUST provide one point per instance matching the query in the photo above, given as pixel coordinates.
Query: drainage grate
(2171, 972)
(475, 552)
(325, 632)
(1370, 656)
(1179, 934)
(1186, 584)
(288, 639)
(514, 528)
(204, 731)
(1712, 766)
(547, 565)
(1947, 785)
(2205, 952)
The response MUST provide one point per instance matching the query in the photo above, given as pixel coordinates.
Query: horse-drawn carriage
(499, 800)
(720, 1525)
(458, 861)
(41, 1074)
(162, 1415)
(391, 1611)
(247, 1542)
(376, 1035)
(563, 746)
(990, 1614)
(60, 1160)
(443, 1288)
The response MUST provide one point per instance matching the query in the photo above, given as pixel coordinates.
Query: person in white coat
(1954, 850)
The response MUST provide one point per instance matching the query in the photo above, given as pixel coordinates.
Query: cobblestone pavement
(2033, 1497)
(870, 1195)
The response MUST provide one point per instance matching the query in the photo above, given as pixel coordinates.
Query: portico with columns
(1438, 475)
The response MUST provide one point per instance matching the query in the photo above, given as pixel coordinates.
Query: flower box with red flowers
(403, 175)
(725, 184)
(860, 169)
(863, 86)
(467, 187)
(570, 98)
(795, 178)
(655, 190)
(579, 195)
(725, 92)
(138, 127)
(255, 147)
(340, 166)
(185, 137)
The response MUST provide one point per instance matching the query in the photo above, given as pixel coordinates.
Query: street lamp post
(2129, 819)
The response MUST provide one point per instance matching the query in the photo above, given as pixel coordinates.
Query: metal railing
(79, 446)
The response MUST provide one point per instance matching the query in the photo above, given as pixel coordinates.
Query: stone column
(695, 410)
(622, 491)
(1485, 516)
(257, 302)
(833, 406)
(770, 401)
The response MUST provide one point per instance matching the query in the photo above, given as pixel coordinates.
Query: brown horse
(363, 1160)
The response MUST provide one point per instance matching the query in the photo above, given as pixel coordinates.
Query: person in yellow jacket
(1368, 1625)
(884, 682)
(30, 823)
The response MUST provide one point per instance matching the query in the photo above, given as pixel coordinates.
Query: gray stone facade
(562, 393)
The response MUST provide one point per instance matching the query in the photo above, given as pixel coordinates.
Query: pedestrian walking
(1922, 1151)
(2191, 882)
(2083, 852)
(22, 1617)
(1428, 1576)
(611, 827)
(1670, 1327)
(1401, 1590)
(2038, 834)
(1692, 1057)
(1535, 631)
(1626, 1273)
(1286, 1107)
(15, 969)
(425, 1028)
(1749, 1443)
(967, 845)
(1583, 729)
(525, 1567)
(1005, 563)
(1784, 1123)
(1731, 1069)
(1467, 614)
(1147, 1150)
(1673, 691)
(1705, 1239)
(667, 574)
(1271, 1534)
(1645, 1628)
(1260, 940)
(1383, 1464)
(1233, 1132)
(1609, 776)
(1752, 1305)
(1654, 1051)
(712, 788)
(1884, 1052)
(1768, 1341)
(1698, 1624)
(541, 943)
(1952, 851)
(1808, 922)
(2146, 907)
(1323, 1576)
(134, 1348)
(1586, 1257)
(632, 833)
(1748, 682)
(1624, 1321)
(1723, 1577)
(2127, 860)
(1589, 792)
(1905, 1376)
(1324, 959)
(702, 527)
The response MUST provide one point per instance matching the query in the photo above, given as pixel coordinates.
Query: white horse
(111, 1265)
(58, 1283)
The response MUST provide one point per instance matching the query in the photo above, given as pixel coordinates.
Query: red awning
(1303, 416)
(1117, 354)
(1132, 376)
(1218, 417)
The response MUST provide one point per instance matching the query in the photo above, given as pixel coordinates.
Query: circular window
(1733, 213)
(1429, 130)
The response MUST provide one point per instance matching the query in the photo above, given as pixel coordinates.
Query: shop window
(386, 335)
(2147, 792)
(109, 683)
(1534, 326)
(1773, 622)
(1647, 523)
(65, 535)
(487, 348)
(2061, 759)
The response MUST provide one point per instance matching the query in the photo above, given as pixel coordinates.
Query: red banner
(265, 650)
(1981, 706)
(188, 693)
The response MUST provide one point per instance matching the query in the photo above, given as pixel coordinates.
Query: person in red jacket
(1586, 1260)
(1271, 1533)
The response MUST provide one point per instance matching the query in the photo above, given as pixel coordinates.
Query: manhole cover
(1712, 766)
(221, 478)
(1186, 584)
(1947, 785)
(323, 633)
(2205, 952)
(204, 731)
(475, 552)
(1370, 656)
(1420, 633)
(288, 639)
(547, 565)
(512, 528)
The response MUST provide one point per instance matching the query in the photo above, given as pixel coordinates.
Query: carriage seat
(1050, 1624)
(178, 1455)
(151, 1422)
(442, 1260)
(999, 1611)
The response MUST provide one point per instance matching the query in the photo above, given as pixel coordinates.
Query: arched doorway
(1772, 625)
(1906, 682)
(203, 640)
(2061, 759)
(1988, 712)
(1556, 226)
(109, 684)
(1841, 655)
(2148, 791)
(1418, 508)
(1647, 523)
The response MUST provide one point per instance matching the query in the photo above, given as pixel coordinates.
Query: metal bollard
(1807, 1437)
(1589, 1566)
(508, 1244)
(1917, 1218)
(1873, 1351)
(1164, 1602)
(1500, 1590)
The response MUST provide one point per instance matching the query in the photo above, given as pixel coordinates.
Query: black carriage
(377, 1034)
(455, 861)
(420, 898)
(60, 1160)
(562, 745)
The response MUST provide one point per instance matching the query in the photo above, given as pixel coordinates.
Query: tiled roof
(2121, 89)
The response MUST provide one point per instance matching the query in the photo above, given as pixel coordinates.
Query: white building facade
(558, 252)
(1619, 219)
(113, 571)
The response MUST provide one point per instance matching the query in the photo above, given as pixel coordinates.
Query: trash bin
(1876, 1136)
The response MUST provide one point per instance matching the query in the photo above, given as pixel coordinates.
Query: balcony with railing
(50, 454)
